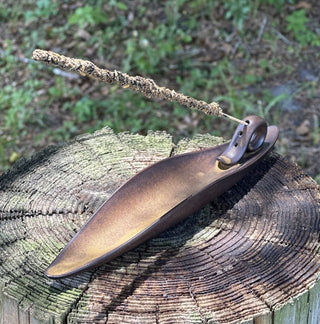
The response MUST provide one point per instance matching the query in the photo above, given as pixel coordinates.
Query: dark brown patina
(162, 195)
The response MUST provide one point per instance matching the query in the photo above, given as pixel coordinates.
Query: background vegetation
(253, 56)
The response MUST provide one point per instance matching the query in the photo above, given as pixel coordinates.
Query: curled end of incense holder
(248, 137)
(162, 195)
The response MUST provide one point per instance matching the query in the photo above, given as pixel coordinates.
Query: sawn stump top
(248, 253)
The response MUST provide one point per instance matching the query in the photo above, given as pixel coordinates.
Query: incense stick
(145, 86)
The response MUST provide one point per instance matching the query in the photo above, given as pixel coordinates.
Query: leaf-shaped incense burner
(162, 195)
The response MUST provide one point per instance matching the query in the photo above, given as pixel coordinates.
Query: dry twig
(147, 87)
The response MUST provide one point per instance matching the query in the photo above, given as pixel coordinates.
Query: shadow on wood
(250, 256)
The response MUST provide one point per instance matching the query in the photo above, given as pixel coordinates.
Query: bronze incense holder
(162, 195)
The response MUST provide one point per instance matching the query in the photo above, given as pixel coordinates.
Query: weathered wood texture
(249, 256)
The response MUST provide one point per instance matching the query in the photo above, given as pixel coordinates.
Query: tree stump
(250, 256)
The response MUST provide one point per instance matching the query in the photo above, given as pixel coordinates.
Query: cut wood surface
(250, 256)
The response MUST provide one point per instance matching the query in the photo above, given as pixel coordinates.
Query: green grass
(158, 40)
(297, 24)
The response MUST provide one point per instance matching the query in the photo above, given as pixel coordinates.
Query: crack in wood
(193, 297)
